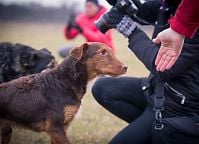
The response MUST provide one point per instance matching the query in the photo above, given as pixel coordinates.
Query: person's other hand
(79, 28)
(170, 49)
(71, 23)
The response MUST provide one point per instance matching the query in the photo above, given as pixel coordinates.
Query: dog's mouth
(114, 74)
(50, 65)
(118, 72)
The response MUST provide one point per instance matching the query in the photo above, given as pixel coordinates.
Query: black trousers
(124, 98)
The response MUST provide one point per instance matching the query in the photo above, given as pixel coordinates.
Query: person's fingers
(166, 61)
(156, 40)
(162, 59)
(159, 56)
(171, 62)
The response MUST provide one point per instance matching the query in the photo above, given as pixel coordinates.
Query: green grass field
(93, 124)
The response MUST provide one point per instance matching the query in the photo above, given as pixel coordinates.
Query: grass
(93, 124)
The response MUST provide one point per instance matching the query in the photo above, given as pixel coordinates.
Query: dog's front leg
(5, 133)
(0, 136)
(58, 136)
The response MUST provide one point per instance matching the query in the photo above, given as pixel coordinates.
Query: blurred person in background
(84, 24)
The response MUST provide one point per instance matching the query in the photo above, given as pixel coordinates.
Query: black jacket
(183, 76)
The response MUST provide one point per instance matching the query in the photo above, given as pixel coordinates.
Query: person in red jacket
(184, 24)
(84, 25)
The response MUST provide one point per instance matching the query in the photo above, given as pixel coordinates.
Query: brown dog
(49, 101)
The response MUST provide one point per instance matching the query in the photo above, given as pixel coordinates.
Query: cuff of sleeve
(126, 26)
(180, 28)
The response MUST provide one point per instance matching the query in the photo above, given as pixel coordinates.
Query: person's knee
(96, 91)
(99, 91)
(64, 52)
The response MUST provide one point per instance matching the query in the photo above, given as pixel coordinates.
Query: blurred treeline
(37, 13)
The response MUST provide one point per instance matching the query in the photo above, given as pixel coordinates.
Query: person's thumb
(156, 40)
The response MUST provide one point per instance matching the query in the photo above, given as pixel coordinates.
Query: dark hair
(93, 1)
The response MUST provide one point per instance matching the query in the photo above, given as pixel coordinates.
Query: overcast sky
(48, 2)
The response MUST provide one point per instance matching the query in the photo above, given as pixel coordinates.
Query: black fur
(20, 60)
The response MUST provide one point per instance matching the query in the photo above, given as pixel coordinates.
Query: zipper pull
(183, 99)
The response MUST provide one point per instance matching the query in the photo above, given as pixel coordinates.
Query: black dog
(20, 60)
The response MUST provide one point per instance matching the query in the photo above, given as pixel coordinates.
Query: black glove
(116, 19)
(78, 28)
(72, 24)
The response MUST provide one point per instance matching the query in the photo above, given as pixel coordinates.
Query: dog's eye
(103, 52)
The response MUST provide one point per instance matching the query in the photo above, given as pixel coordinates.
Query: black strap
(159, 100)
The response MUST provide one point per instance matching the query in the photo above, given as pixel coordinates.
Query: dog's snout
(124, 69)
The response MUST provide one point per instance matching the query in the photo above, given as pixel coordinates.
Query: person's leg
(137, 132)
(121, 96)
(64, 52)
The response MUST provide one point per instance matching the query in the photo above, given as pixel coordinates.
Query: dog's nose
(124, 68)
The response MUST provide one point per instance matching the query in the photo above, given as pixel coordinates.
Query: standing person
(84, 25)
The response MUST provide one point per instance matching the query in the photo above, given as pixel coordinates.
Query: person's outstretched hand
(170, 49)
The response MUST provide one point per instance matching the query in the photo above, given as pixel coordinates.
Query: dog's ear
(78, 52)
(45, 50)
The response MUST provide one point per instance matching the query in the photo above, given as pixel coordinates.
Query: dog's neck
(73, 73)
(92, 72)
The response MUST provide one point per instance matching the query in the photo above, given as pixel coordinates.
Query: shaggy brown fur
(49, 101)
